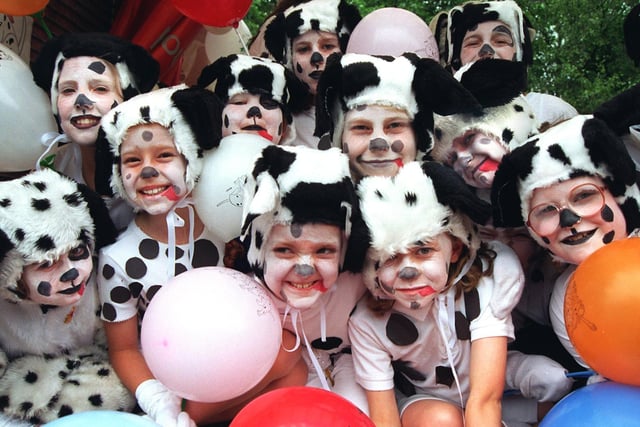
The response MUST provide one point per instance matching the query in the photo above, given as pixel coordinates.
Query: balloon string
(244, 45)
(40, 18)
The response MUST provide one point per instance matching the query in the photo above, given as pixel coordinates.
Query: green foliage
(579, 46)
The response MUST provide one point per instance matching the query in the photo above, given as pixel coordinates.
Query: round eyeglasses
(584, 200)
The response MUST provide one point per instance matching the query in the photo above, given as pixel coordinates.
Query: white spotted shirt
(134, 268)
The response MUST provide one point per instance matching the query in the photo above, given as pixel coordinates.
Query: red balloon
(301, 407)
(216, 13)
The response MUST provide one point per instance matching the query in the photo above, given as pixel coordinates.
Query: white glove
(162, 405)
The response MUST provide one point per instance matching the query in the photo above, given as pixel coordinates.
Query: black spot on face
(397, 146)
(225, 120)
(147, 135)
(608, 238)
(97, 67)
(296, 230)
(299, 68)
(44, 288)
(607, 214)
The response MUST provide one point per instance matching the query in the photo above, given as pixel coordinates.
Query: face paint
(153, 170)
(257, 114)
(490, 39)
(299, 269)
(415, 278)
(88, 88)
(375, 138)
(476, 157)
(309, 55)
(580, 236)
(62, 282)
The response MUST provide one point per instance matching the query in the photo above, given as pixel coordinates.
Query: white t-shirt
(134, 268)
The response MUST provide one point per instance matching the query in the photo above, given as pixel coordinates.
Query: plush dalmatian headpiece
(44, 215)
(297, 184)
(419, 86)
(462, 18)
(332, 16)
(235, 74)
(580, 146)
(498, 85)
(192, 116)
(416, 205)
(137, 70)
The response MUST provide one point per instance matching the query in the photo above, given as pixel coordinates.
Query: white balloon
(25, 114)
(217, 196)
(219, 42)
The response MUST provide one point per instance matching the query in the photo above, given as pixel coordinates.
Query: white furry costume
(53, 361)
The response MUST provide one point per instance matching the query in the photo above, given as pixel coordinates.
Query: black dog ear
(328, 95)
(299, 93)
(452, 191)
(202, 110)
(621, 111)
(275, 37)
(104, 165)
(438, 91)
(495, 82)
(105, 231)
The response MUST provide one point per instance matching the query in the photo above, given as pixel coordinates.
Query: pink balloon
(393, 31)
(211, 334)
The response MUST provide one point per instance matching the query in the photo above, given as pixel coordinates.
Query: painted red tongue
(489, 165)
(170, 194)
(263, 133)
(398, 162)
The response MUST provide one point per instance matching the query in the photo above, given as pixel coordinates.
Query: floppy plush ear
(5, 245)
(495, 82)
(202, 109)
(275, 38)
(621, 111)
(438, 91)
(452, 191)
(438, 26)
(328, 95)
(299, 93)
(220, 69)
(606, 147)
(105, 231)
(505, 197)
(104, 165)
(350, 17)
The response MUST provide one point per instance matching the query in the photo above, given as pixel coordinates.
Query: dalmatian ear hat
(577, 147)
(498, 85)
(418, 86)
(472, 13)
(417, 204)
(44, 215)
(137, 70)
(332, 16)
(296, 184)
(235, 74)
(192, 116)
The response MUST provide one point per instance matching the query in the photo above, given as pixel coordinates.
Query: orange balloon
(602, 310)
(22, 7)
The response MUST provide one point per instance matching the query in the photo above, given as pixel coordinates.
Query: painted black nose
(69, 275)
(254, 112)
(149, 172)
(486, 50)
(316, 59)
(568, 218)
(304, 269)
(378, 144)
(408, 273)
(83, 101)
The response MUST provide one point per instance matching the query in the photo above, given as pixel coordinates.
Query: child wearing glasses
(574, 187)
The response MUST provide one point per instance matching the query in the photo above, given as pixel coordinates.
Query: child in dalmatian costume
(87, 74)
(302, 37)
(305, 238)
(582, 160)
(53, 358)
(260, 96)
(379, 110)
(430, 341)
(474, 145)
(478, 30)
(157, 141)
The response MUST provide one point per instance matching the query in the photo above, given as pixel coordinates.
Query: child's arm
(487, 377)
(383, 409)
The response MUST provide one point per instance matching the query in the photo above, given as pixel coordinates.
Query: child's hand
(162, 405)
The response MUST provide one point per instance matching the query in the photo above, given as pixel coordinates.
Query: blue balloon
(102, 419)
(607, 404)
